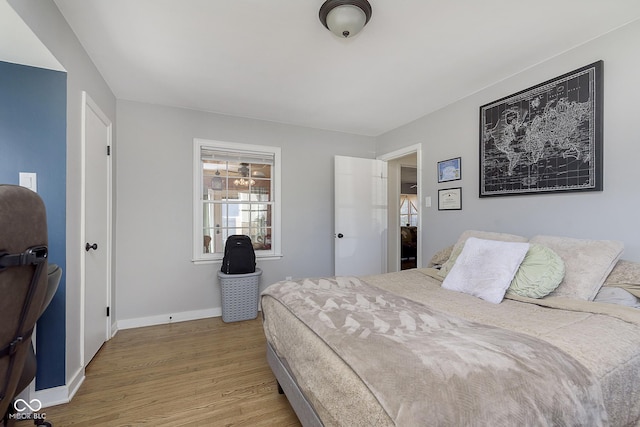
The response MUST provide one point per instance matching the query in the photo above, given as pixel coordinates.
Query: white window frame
(199, 257)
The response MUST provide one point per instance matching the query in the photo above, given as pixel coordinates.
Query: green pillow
(539, 274)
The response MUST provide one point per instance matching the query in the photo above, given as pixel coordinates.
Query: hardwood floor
(199, 373)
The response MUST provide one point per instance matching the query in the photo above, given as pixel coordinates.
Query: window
(236, 191)
(408, 210)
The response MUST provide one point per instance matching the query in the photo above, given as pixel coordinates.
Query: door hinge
(108, 150)
(107, 311)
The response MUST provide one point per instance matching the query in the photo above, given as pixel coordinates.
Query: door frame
(393, 235)
(88, 102)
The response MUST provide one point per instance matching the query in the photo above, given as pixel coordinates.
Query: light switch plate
(29, 180)
(427, 202)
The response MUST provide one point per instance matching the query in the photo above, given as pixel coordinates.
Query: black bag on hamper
(239, 256)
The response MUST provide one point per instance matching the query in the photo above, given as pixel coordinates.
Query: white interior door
(96, 242)
(360, 216)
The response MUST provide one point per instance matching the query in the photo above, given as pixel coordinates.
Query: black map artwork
(544, 139)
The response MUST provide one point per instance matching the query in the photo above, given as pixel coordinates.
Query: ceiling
(19, 45)
(273, 60)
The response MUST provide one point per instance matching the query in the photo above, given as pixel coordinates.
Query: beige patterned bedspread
(455, 359)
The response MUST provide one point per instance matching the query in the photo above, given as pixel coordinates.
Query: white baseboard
(75, 382)
(59, 395)
(52, 396)
(163, 319)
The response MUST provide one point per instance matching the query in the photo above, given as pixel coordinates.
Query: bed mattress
(601, 338)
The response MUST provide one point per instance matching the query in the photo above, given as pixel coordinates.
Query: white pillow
(617, 296)
(487, 235)
(485, 268)
(587, 264)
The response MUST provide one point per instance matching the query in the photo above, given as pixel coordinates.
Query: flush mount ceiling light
(345, 18)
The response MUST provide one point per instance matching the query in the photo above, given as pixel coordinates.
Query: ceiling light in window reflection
(241, 182)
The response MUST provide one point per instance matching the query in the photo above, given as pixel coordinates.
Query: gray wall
(155, 275)
(453, 131)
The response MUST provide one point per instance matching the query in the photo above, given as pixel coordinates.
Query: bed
(409, 348)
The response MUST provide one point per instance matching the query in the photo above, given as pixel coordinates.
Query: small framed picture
(450, 170)
(450, 199)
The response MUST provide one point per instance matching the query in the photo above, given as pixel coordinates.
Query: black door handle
(340, 235)
(87, 247)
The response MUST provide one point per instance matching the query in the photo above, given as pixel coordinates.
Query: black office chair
(23, 289)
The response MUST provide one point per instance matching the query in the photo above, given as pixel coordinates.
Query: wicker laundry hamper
(240, 294)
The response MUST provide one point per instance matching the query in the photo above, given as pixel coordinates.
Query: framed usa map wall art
(547, 138)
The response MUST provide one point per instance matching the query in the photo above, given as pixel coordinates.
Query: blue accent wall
(33, 126)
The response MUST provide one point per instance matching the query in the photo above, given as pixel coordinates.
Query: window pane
(222, 220)
(207, 242)
(261, 190)
(250, 189)
(413, 200)
(260, 170)
(403, 206)
(231, 217)
(258, 215)
(262, 239)
(213, 179)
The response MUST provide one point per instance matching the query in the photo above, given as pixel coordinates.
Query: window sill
(270, 257)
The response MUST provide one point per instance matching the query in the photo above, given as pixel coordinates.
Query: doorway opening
(408, 216)
(404, 199)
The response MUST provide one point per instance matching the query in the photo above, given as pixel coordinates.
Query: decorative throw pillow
(587, 264)
(625, 275)
(539, 274)
(485, 268)
(440, 257)
(487, 235)
(611, 295)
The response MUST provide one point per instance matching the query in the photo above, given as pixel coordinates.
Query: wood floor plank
(198, 373)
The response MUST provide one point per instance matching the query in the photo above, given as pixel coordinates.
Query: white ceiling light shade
(345, 18)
